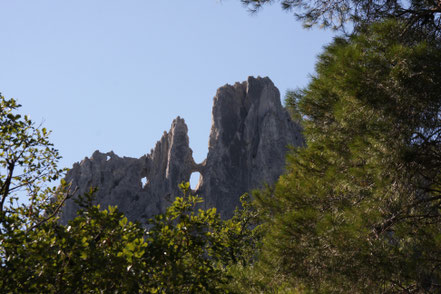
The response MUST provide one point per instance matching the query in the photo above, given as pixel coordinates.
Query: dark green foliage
(183, 251)
(98, 252)
(423, 15)
(359, 208)
(192, 251)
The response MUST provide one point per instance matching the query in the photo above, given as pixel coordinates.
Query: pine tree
(359, 208)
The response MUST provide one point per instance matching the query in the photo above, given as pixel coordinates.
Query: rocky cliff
(249, 137)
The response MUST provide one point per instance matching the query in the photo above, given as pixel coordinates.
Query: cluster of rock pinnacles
(249, 137)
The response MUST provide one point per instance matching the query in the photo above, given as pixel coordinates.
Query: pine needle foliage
(359, 208)
(343, 15)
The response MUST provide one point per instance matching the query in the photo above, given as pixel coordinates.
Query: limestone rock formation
(248, 140)
(120, 180)
(249, 137)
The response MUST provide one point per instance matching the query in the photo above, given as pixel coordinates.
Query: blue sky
(112, 75)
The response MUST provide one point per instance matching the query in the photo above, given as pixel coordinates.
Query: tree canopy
(359, 209)
(417, 14)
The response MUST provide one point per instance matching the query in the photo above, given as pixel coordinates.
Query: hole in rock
(143, 181)
(194, 180)
(107, 158)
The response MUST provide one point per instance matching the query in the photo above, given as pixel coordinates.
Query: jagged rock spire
(249, 137)
(139, 187)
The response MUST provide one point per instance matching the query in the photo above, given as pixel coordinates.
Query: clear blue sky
(112, 75)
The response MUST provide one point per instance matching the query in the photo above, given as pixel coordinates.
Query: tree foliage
(191, 251)
(100, 251)
(359, 209)
(421, 14)
(28, 162)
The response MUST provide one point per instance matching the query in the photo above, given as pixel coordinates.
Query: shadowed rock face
(249, 136)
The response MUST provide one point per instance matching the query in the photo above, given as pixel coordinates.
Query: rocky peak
(249, 137)
(248, 140)
(140, 187)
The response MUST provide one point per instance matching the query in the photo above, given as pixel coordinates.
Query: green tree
(359, 209)
(192, 251)
(98, 252)
(28, 162)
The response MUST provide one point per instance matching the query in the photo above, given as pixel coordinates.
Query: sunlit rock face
(139, 187)
(249, 137)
